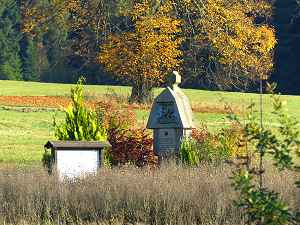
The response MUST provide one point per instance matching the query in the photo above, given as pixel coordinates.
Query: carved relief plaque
(167, 113)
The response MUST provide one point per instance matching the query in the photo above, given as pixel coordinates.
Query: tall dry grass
(169, 195)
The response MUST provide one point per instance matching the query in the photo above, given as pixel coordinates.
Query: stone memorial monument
(170, 119)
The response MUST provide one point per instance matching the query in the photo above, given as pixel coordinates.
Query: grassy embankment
(24, 128)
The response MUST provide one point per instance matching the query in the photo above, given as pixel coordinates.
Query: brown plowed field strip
(35, 101)
(52, 102)
(60, 101)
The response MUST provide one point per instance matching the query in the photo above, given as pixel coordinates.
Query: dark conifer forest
(287, 52)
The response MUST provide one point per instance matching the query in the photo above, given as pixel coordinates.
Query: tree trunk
(141, 93)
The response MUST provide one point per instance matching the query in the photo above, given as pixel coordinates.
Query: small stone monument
(170, 119)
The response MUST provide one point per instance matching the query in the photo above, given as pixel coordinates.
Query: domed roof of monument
(171, 108)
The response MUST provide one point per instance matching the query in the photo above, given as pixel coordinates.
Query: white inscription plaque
(72, 164)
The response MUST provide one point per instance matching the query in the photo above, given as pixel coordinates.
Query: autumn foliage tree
(228, 43)
(148, 52)
(240, 47)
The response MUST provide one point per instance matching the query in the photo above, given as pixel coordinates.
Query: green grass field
(24, 130)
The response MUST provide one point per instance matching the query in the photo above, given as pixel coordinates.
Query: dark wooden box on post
(75, 158)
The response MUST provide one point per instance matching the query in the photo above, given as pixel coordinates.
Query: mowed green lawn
(24, 131)
(23, 135)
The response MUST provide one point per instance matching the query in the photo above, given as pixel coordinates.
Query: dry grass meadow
(169, 195)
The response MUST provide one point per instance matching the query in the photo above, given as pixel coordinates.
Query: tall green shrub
(80, 123)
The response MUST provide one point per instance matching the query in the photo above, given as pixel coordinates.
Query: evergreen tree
(10, 35)
(29, 53)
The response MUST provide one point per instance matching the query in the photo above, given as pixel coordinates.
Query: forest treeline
(215, 44)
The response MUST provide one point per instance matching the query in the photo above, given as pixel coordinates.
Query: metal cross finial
(176, 79)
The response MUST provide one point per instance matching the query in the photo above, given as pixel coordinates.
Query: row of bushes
(113, 121)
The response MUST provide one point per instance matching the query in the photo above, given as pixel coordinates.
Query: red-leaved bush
(130, 143)
(131, 146)
(201, 134)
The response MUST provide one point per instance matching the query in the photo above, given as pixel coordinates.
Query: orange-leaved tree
(147, 53)
(240, 46)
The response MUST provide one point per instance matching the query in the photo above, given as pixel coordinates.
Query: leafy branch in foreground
(282, 144)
